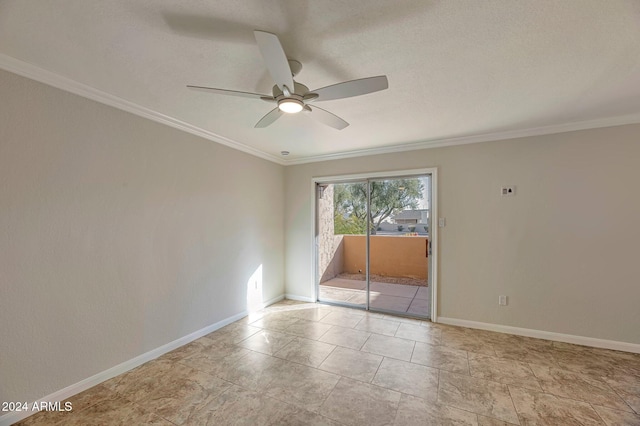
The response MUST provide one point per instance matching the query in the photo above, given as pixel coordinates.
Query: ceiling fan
(292, 97)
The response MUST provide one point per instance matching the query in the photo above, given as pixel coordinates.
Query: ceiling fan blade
(351, 88)
(275, 59)
(268, 119)
(229, 92)
(325, 117)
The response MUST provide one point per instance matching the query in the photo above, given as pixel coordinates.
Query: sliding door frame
(433, 231)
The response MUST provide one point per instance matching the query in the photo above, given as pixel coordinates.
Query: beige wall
(390, 256)
(115, 236)
(564, 249)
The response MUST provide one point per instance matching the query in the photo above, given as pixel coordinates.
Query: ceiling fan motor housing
(292, 103)
(299, 90)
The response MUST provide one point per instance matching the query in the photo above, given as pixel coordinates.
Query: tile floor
(307, 364)
(385, 296)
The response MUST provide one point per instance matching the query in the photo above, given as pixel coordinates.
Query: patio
(402, 298)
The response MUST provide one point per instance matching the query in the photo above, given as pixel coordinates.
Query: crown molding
(464, 140)
(41, 75)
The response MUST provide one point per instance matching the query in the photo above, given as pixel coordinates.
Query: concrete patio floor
(385, 296)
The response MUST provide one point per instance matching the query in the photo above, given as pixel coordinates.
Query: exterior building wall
(329, 245)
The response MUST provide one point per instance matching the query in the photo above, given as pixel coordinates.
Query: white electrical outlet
(442, 222)
(502, 300)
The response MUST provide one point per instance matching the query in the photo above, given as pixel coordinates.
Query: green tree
(388, 197)
(348, 225)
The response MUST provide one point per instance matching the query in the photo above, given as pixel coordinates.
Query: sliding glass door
(372, 244)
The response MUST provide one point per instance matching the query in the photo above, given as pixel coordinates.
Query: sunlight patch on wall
(254, 291)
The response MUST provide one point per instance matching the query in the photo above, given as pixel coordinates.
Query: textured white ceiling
(461, 70)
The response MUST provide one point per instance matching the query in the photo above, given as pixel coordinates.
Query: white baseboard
(299, 298)
(547, 335)
(62, 394)
(272, 301)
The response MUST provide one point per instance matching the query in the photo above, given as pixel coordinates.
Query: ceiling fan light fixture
(290, 106)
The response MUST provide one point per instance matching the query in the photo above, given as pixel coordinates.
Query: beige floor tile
(537, 408)
(389, 346)
(238, 406)
(253, 371)
(266, 341)
(356, 312)
(504, 371)
(356, 403)
(488, 421)
(419, 333)
(217, 379)
(584, 360)
(358, 298)
(632, 400)
(252, 317)
(115, 412)
(188, 349)
(45, 418)
(377, 315)
(139, 382)
(414, 411)
(79, 402)
(350, 363)
(233, 335)
(480, 396)
(486, 336)
(302, 386)
(307, 418)
(441, 357)
(568, 384)
(457, 338)
(390, 303)
(405, 320)
(623, 381)
(308, 329)
(409, 378)
(342, 319)
(190, 390)
(276, 321)
(215, 358)
(378, 326)
(311, 314)
(305, 351)
(534, 354)
(388, 289)
(48, 418)
(91, 397)
(617, 418)
(347, 337)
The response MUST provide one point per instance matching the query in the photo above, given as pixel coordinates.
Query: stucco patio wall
(391, 255)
